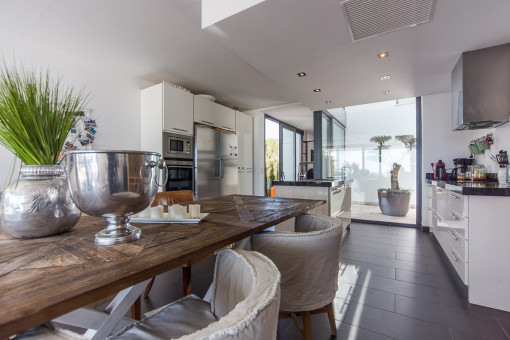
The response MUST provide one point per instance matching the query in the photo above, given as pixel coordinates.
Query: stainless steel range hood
(481, 89)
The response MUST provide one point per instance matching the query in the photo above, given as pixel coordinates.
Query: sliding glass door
(283, 151)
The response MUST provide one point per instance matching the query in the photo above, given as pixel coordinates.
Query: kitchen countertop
(314, 183)
(474, 188)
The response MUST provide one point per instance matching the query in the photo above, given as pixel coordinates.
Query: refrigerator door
(228, 152)
(229, 177)
(207, 176)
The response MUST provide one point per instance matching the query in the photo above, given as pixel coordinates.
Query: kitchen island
(470, 222)
(43, 278)
(336, 193)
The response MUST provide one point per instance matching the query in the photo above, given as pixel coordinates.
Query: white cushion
(308, 261)
(184, 316)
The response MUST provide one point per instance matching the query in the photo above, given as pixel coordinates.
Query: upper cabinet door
(213, 114)
(177, 110)
(226, 118)
(244, 131)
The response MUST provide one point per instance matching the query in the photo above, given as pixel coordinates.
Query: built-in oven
(180, 174)
(178, 154)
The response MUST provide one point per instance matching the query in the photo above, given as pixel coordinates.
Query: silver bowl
(114, 185)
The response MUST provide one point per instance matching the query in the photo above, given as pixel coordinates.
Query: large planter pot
(38, 203)
(394, 203)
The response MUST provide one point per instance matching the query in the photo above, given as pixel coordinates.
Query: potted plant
(36, 115)
(394, 201)
(380, 140)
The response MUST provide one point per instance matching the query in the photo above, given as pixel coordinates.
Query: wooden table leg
(186, 280)
(136, 309)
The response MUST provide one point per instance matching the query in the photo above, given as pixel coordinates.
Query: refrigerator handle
(222, 175)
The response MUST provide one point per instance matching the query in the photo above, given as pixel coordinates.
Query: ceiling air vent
(370, 18)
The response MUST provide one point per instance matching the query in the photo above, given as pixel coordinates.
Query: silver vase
(38, 203)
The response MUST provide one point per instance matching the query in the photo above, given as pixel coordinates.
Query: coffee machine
(460, 167)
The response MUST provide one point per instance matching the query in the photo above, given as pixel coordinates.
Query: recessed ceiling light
(387, 92)
(301, 74)
(385, 77)
(383, 55)
(328, 101)
(317, 90)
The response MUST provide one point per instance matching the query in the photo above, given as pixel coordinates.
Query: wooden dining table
(43, 278)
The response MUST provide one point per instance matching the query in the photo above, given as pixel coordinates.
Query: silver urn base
(118, 231)
(39, 203)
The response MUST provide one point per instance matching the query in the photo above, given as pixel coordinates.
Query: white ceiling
(251, 59)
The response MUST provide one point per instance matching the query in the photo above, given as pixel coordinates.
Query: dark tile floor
(393, 284)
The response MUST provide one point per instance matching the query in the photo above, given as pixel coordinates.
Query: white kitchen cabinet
(177, 110)
(164, 108)
(244, 131)
(213, 114)
(448, 226)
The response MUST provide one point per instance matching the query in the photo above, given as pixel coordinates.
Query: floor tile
(369, 250)
(382, 261)
(433, 258)
(437, 281)
(505, 324)
(350, 332)
(392, 324)
(459, 319)
(393, 286)
(367, 296)
(365, 267)
(460, 335)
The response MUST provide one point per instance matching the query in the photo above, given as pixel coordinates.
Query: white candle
(180, 212)
(157, 212)
(194, 210)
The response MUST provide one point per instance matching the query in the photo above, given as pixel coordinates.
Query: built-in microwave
(177, 146)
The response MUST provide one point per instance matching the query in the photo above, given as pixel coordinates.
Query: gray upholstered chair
(309, 260)
(244, 305)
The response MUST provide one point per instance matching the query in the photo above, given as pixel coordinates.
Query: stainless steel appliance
(178, 155)
(216, 161)
(180, 174)
(177, 146)
(481, 88)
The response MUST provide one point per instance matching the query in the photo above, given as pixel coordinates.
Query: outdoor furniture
(308, 260)
(244, 305)
(61, 273)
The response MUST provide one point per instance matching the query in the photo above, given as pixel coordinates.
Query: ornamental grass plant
(36, 114)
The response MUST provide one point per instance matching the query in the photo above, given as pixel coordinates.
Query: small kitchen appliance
(460, 168)
(440, 171)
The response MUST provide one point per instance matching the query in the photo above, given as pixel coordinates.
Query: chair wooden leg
(307, 326)
(331, 316)
(186, 280)
(148, 289)
(136, 309)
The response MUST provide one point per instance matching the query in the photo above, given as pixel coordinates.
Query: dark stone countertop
(315, 183)
(474, 188)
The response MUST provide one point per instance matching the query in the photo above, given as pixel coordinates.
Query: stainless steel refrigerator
(216, 162)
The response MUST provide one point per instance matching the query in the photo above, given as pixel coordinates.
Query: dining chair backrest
(308, 260)
(172, 197)
(245, 297)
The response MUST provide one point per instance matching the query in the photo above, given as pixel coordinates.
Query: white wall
(114, 95)
(440, 142)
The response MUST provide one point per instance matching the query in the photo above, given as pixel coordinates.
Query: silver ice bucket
(114, 185)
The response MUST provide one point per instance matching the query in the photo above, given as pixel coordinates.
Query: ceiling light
(385, 77)
(317, 90)
(328, 101)
(383, 55)
(387, 92)
(301, 74)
